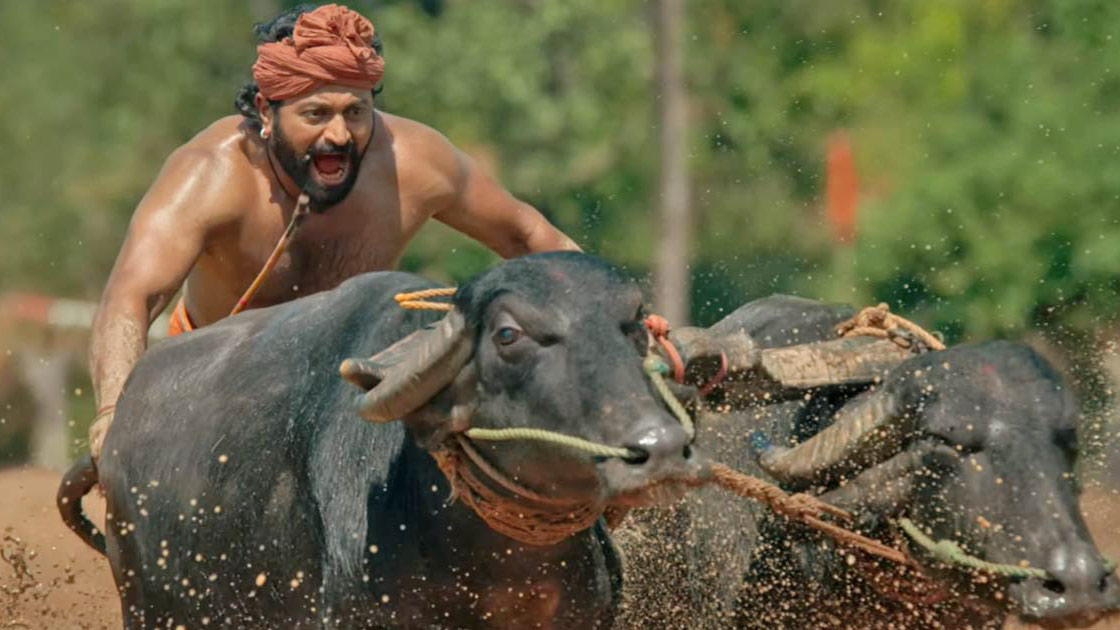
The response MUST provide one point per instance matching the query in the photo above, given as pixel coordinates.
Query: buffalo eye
(506, 335)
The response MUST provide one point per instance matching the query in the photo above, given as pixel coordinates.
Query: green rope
(541, 435)
(656, 369)
(949, 552)
(653, 366)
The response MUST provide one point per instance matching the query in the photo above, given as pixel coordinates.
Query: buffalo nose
(658, 444)
(1079, 570)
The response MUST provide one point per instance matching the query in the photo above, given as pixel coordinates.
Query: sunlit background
(957, 160)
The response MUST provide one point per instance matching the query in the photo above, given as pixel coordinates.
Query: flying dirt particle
(373, 548)
(983, 522)
(384, 599)
(223, 458)
(294, 584)
(261, 579)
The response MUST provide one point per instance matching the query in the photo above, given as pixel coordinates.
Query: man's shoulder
(213, 167)
(414, 139)
(421, 153)
(223, 143)
(409, 130)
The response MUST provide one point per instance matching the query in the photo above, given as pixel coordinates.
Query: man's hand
(98, 430)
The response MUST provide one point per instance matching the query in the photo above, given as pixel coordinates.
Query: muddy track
(49, 580)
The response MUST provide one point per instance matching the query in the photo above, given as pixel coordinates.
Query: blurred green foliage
(982, 134)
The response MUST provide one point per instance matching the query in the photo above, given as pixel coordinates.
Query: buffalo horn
(404, 376)
(866, 431)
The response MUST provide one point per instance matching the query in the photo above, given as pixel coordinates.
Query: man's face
(333, 125)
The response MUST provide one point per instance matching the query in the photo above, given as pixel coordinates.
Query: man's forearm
(120, 335)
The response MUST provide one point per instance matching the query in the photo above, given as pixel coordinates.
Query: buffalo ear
(406, 375)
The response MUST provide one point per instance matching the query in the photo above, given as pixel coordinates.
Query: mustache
(328, 148)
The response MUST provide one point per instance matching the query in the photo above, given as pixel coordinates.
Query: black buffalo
(976, 444)
(244, 490)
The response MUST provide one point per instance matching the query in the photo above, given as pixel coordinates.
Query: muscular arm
(483, 210)
(164, 240)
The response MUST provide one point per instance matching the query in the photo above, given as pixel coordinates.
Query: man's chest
(327, 248)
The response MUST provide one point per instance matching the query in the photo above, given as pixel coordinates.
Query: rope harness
(533, 518)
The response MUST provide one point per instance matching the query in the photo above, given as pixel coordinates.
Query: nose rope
(951, 553)
(552, 437)
(655, 368)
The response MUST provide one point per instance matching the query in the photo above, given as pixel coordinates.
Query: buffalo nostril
(687, 451)
(1102, 586)
(637, 457)
(1054, 586)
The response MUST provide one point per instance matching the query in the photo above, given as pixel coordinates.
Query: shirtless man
(221, 201)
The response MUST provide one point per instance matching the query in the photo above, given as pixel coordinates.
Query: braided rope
(879, 321)
(547, 524)
(804, 508)
(655, 368)
(950, 552)
(421, 305)
(542, 435)
(424, 294)
(417, 300)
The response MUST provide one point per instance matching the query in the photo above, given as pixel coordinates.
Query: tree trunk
(671, 270)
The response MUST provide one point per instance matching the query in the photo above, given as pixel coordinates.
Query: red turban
(329, 45)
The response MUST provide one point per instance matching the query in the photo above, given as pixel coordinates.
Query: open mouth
(330, 169)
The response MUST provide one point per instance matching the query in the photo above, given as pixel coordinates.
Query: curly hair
(273, 31)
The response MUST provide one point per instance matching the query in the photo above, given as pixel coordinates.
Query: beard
(299, 168)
